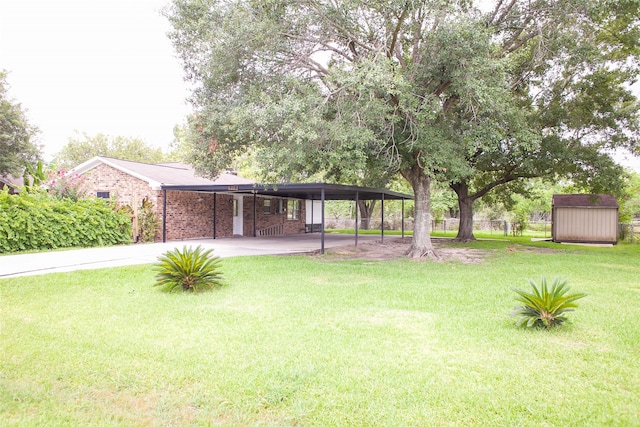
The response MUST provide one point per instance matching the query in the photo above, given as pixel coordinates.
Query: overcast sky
(95, 66)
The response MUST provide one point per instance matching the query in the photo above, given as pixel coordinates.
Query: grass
(323, 342)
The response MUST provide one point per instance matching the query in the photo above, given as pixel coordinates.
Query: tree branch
(396, 31)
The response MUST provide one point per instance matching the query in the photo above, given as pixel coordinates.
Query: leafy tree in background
(81, 148)
(569, 64)
(630, 201)
(17, 146)
(429, 90)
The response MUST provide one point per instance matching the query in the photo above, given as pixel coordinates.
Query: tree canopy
(81, 148)
(427, 89)
(17, 135)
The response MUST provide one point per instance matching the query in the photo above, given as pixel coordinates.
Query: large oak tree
(413, 87)
(571, 63)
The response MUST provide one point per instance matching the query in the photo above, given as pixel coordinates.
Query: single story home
(584, 218)
(193, 207)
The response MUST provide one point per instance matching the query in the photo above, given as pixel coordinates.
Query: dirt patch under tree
(397, 247)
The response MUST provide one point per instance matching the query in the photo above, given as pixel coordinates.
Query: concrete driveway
(114, 256)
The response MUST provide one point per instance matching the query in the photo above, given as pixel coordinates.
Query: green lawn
(305, 341)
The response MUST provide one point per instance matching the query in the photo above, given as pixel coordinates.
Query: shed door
(237, 216)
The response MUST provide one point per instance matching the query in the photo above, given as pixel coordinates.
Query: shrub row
(39, 221)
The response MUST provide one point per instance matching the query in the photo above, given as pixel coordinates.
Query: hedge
(39, 221)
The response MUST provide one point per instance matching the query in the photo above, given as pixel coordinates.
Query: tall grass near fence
(323, 341)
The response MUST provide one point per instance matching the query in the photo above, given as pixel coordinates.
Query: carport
(306, 191)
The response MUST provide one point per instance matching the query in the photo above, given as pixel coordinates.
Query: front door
(237, 216)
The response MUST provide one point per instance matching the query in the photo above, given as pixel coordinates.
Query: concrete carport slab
(116, 256)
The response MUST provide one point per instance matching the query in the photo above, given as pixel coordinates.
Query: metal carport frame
(305, 191)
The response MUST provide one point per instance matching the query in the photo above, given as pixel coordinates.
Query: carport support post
(215, 218)
(402, 218)
(382, 219)
(322, 231)
(357, 199)
(255, 201)
(164, 215)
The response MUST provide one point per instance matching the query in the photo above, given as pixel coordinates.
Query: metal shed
(584, 218)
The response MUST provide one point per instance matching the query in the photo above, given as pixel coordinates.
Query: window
(266, 208)
(293, 209)
(102, 195)
(235, 207)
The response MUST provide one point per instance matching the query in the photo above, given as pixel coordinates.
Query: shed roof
(585, 200)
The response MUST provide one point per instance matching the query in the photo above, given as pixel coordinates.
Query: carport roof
(308, 191)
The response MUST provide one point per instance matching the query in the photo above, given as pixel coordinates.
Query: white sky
(96, 66)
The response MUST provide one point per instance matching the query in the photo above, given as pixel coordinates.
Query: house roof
(584, 200)
(161, 174)
(11, 181)
(182, 177)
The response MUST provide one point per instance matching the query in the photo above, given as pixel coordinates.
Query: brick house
(200, 207)
(192, 207)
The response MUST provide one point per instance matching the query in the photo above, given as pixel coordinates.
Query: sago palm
(545, 306)
(188, 270)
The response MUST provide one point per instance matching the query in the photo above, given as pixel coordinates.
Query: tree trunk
(465, 204)
(421, 245)
(366, 208)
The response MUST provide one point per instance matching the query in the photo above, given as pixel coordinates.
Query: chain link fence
(629, 232)
(499, 227)
(626, 232)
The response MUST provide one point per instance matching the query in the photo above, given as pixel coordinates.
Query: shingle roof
(174, 173)
(11, 180)
(584, 200)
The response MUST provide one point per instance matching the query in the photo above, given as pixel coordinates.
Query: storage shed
(584, 218)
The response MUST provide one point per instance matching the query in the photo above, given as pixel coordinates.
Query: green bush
(148, 221)
(544, 306)
(39, 221)
(188, 270)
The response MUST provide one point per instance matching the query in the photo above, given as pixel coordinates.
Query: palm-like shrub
(545, 306)
(188, 270)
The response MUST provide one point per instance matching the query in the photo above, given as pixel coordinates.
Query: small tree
(64, 186)
(147, 221)
(17, 144)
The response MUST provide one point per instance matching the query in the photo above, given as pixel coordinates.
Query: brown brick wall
(264, 220)
(189, 214)
(127, 189)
